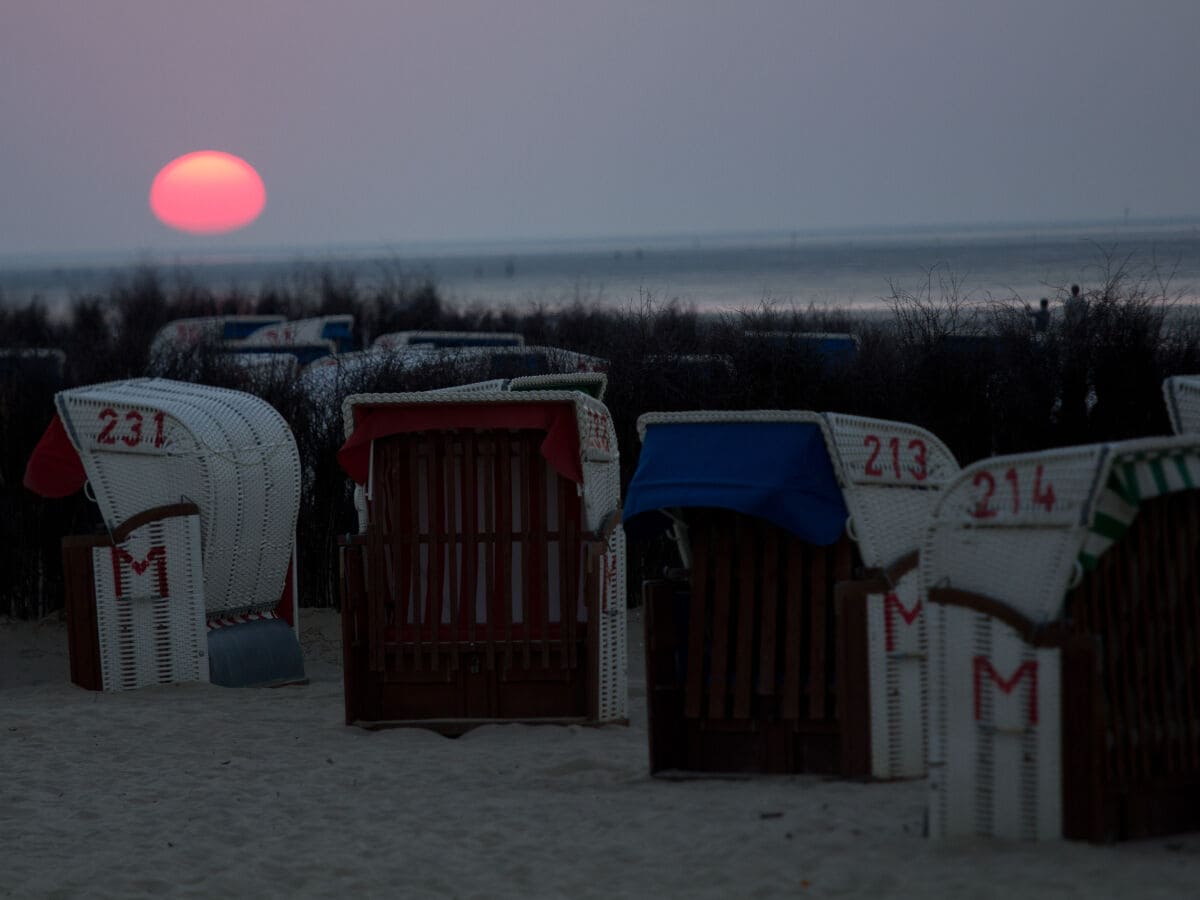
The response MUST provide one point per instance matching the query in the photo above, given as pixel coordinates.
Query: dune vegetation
(981, 375)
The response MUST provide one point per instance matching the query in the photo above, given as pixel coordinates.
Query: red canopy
(54, 468)
(560, 447)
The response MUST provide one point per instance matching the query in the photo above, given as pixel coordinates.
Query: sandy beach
(201, 791)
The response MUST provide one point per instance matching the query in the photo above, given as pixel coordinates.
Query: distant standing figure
(1041, 318)
(1076, 365)
(1075, 308)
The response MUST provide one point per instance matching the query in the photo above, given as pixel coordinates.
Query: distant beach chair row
(846, 600)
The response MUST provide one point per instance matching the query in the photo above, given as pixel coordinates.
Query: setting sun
(207, 192)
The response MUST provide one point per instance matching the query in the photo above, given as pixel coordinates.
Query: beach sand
(195, 790)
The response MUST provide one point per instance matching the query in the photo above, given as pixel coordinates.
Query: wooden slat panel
(489, 550)
(538, 500)
(529, 580)
(697, 619)
(435, 478)
(723, 547)
(504, 542)
(768, 629)
(414, 558)
(354, 642)
(391, 489)
(470, 583)
(819, 600)
(1160, 649)
(454, 521)
(743, 664)
(568, 576)
(1190, 596)
(795, 629)
(1147, 708)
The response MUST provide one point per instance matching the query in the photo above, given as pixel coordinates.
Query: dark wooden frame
(423, 673)
(778, 658)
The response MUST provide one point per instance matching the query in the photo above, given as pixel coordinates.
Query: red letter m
(157, 555)
(983, 666)
(891, 606)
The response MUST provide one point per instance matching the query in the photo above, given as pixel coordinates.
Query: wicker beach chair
(1063, 642)
(338, 330)
(488, 583)
(184, 332)
(148, 444)
(750, 665)
(1182, 396)
(447, 340)
(831, 349)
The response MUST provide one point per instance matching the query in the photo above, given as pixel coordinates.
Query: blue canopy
(779, 471)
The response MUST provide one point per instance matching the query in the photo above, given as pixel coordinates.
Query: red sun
(207, 192)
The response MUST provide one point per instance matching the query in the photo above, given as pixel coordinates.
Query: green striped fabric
(1133, 478)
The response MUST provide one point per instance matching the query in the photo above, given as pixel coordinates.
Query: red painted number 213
(917, 453)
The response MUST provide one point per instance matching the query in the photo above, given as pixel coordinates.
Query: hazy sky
(393, 121)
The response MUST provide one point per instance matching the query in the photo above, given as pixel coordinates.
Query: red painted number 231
(131, 434)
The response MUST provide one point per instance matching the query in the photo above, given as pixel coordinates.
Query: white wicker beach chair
(443, 340)
(1009, 540)
(147, 444)
(181, 333)
(1182, 395)
(489, 551)
(888, 475)
(152, 442)
(294, 332)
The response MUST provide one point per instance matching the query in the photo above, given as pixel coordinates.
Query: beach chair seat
(1064, 632)
(488, 583)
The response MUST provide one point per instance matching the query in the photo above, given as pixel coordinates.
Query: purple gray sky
(395, 122)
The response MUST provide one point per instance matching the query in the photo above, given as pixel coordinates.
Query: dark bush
(980, 375)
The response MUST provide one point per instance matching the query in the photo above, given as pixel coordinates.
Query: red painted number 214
(1043, 494)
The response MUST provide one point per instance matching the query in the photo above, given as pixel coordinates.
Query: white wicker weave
(153, 442)
(1182, 395)
(898, 679)
(995, 739)
(294, 332)
(444, 339)
(600, 493)
(1040, 508)
(150, 606)
(890, 474)
(185, 332)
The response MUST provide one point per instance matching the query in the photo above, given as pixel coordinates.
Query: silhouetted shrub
(978, 374)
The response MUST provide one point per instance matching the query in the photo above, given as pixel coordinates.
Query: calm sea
(855, 270)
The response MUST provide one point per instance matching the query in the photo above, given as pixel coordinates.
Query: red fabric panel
(54, 468)
(560, 447)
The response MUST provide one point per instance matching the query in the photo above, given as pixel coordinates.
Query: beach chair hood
(1022, 529)
(146, 443)
(580, 442)
(813, 474)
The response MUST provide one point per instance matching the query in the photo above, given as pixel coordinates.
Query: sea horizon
(850, 268)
